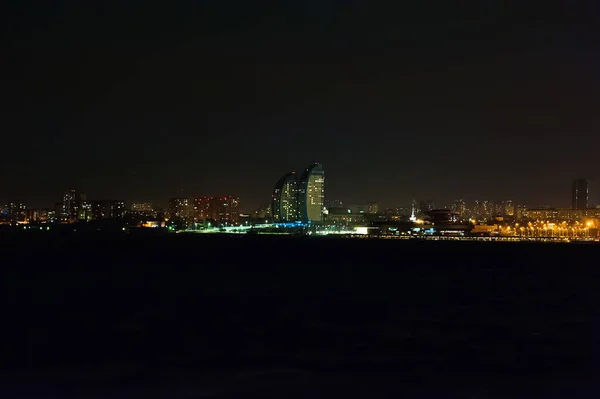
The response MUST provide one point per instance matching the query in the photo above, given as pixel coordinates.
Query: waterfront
(475, 238)
(363, 233)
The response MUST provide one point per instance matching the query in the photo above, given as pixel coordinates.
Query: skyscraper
(579, 194)
(284, 204)
(311, 193)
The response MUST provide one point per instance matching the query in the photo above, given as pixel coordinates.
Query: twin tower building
(300, 199)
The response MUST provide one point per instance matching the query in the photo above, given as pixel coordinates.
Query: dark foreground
(91, 315)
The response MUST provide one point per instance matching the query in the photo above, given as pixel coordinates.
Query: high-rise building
(219, 209)
(40, 215)
(459, 207)
(71, 202)
(311, 193)
(226, 209)
(178, 208)
(202, 208)
(142, 207)
(520, 212)
(425, 206)
(285, 199)
(17, 212)
(579, 194)
(101, 210)
(85, 211)
(372, 207)
(483, 209)
(508, 208)
(118, 209)
(68, 206)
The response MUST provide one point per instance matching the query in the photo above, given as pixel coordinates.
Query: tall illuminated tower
(579, 194)
(311, 194)
(71, 205)
(413, 211)
(284, 204)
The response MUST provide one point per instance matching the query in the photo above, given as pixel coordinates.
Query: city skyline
(254, 199)
(419, 101)
(299, 207)
(285, 201)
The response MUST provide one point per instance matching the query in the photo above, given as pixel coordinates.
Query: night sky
(146, 101)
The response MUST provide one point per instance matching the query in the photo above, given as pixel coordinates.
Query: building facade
(556, 214)
(226, 209)
(85, 211)
(41, 215)
(372, 208)
(178, 208)
(579, 194)
(101, 210)
(460, 207)
(70, 205)
(284, 206)
(311, 194)
(220, 209)
(118, 209)
(202, 208)
(17, 212)
(142, 207)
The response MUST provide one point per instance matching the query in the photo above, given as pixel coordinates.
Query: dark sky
(145, 101)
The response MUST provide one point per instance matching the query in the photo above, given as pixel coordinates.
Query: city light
(297, 206)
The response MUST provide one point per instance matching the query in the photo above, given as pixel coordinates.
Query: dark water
(298, 317)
